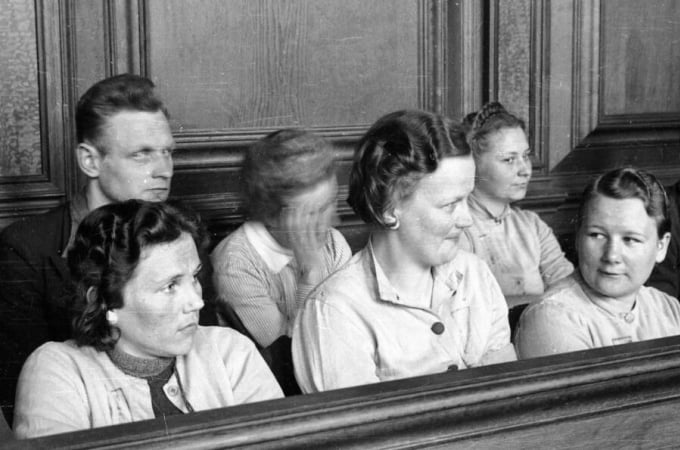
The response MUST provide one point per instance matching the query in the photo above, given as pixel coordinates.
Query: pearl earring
(111, 317)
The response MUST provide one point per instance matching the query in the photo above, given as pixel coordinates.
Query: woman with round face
(137, 352)
(520, 249)
(623, 231)
(409, 303)
(264, 270)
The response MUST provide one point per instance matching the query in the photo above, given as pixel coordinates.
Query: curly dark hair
(394, 154)
(479, 126)
(126, 92)
(106, 252)
(628, 182)
(280, 165)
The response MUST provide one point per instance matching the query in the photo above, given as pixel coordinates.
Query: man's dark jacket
(34, 292)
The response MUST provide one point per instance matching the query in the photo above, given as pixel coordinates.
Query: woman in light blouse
(409, 303)
(264, 270)
(137, 352)
(520, 249)
(622, 231)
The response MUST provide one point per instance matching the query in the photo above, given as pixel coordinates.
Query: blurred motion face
(435, 214)
(618, 245)
(504, 169)
(161, 301)
(137, 157)
(311, 212)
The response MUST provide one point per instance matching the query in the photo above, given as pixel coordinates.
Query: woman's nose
(525, 166)
(463, 217)
(612, 251)
(194, 298)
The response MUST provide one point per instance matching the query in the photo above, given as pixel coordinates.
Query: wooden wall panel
(33, 174)
(641, 57)
(19, 108)
(590, 64)
(268, 63)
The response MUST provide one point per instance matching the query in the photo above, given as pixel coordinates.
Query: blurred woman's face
(618, 245)
(435, 214)
(504, 169)
(311, 212)
(161, 301)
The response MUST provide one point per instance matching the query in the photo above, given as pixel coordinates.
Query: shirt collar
(272, 253)
(387, 292)
(480, 210)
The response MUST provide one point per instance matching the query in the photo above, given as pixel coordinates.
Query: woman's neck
(494, 206)
(138, 367)
(277, 233)
(410, 278)
(623, 304)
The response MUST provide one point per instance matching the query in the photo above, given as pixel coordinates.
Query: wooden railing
(619, 396)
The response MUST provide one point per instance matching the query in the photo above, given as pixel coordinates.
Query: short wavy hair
(281, 165)
(489, 120)
(125, 92)
(106, 252)
(397, 151)
(628, 182)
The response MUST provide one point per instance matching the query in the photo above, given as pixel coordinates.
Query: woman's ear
(391, 219)
(662, 247)
(91, 295)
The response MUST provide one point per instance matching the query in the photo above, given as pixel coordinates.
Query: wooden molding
(465, 57)
(27, 193)
(564, 400)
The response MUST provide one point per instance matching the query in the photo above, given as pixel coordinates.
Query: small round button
(629, 317)
(437, 328)
(172, 390)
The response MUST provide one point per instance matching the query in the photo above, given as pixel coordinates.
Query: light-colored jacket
(63, 387)
(356, 329)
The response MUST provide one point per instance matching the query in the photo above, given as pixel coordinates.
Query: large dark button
(437, 328)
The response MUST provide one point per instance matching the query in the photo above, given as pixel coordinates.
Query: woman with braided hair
(520, 249)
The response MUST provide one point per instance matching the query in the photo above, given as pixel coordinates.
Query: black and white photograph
(380, 224)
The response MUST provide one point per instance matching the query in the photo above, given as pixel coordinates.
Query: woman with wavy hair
(409, 303)
(137, 351)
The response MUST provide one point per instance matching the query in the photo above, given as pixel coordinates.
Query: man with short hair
(125, 150)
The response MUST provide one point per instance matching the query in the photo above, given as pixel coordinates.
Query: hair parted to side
(106, 252)
(480, 126)
(395, 153)
(628, 182)
(126, 92)
(280, 166)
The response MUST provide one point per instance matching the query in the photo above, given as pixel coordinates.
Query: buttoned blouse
(571, 317)
(356, 329)
(520, 249)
